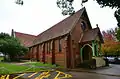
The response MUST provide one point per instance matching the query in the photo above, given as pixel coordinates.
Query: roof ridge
(25, 34)
(61, 21)
(90, 35)
(78, 18)
(61, 28)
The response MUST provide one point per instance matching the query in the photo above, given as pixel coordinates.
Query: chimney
(97, 25)
(12, 33)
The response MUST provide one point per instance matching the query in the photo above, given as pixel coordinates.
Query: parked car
(114, 60)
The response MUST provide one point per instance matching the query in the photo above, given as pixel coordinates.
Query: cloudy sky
(35, 16)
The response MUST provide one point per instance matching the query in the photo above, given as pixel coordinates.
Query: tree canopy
(11, 46)
(117, 15)
(111, 46)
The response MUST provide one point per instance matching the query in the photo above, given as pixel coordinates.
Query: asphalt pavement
(111, 72)
(85, 75)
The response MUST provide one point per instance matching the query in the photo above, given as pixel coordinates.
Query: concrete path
(85, 75)
(113, 70)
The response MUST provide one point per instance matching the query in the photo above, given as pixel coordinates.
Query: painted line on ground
(32, 74)
(19, 76)
(39, 75)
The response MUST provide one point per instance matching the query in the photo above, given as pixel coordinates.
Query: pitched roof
(61, 28)
(90, 35)
(25, 39)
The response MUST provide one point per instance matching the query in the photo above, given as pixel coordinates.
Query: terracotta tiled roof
(62, 28)
(91, 35)
(25, 39)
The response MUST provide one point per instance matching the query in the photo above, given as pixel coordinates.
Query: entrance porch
(90, 49)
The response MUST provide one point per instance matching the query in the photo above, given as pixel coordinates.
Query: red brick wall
(40, 53)
(60, 56)
(75, 37)
(34, 52)
(30, 53)
(48, 53)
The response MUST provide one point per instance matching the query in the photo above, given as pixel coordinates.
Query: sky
(36, 16)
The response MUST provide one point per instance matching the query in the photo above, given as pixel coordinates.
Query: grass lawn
(40, 64)
(6, 68)
(1, 58)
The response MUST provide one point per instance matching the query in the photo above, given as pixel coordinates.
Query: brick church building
(68, 43)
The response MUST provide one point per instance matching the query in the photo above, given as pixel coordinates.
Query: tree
(11, 46)
(117, 15)
(20, 2)
(103, 3)
(111, 46)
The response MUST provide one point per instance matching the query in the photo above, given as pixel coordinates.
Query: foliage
(117, 15)
(118, 34)
(1, 58)
(111, 46)
(39, 64)
(11, 46)
(110, 34)
(66, 6)
(110, 3)
(20, 2)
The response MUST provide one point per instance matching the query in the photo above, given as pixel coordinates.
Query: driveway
(86, 75)
(111, 72)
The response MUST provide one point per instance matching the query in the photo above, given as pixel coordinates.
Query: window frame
(83, 25)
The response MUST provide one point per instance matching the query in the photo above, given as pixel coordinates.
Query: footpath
(111, 70)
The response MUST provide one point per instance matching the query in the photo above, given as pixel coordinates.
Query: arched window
(83, 25)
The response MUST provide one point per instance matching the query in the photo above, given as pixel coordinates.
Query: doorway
(86, 53)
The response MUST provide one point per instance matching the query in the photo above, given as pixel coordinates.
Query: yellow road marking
(19, 76)
(3, 77)
(66, 75)
(56, 77)
(7, 77)
(32, 74)
(43, 75)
